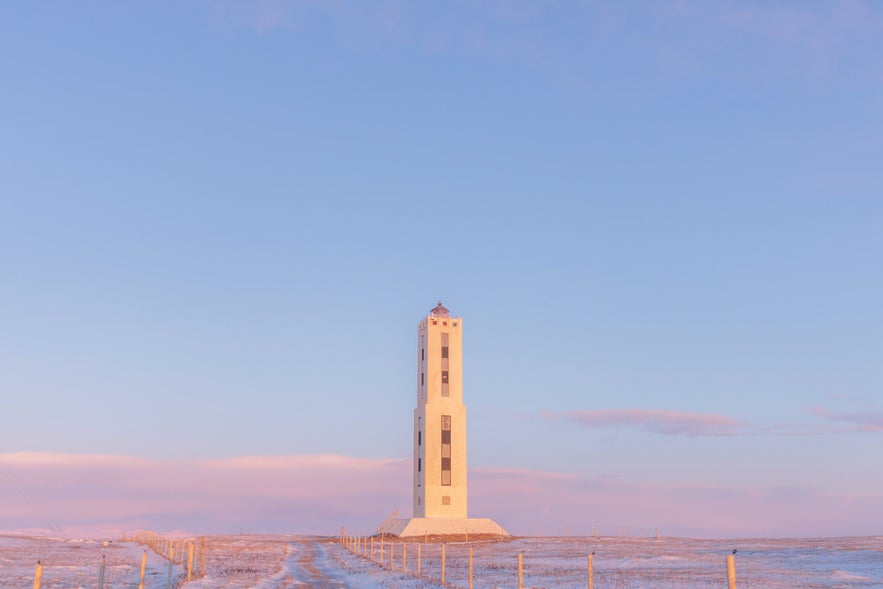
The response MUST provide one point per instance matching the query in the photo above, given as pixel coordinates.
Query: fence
(174, 550)
(383, 552)
(189, 552)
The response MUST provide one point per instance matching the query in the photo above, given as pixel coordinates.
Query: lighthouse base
(443, 526)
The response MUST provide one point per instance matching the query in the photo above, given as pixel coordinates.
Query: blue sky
(220, 223)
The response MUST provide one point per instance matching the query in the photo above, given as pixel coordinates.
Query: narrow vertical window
(445, 390)
(419, 437)
(446, 450)
(419, 465)
(422, 392)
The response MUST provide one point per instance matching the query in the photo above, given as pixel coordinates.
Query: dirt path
(303, 569)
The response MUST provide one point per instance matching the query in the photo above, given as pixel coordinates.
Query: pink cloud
(852, 421)
(532, 502)
(655, 421)
(273, 493)
(106, 495)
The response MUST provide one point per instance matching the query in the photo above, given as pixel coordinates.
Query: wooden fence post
(731, 571)
(101, 574)
(372, 548)
(470, 567)
(38, 575)
(443, 564)
(520, 570)
(590, 571)
(143, 566)
(419, 546)
(190, 561)
(202, 556)
(405, 557)
(169, 582)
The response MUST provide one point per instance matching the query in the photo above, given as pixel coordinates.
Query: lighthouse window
(444, 365)
(446, 450)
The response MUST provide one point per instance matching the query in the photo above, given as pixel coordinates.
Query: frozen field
(269, 562)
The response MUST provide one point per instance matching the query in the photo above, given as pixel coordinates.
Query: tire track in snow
(303, 571)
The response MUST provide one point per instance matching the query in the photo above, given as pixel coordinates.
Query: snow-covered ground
(276, 562)
(76, 563)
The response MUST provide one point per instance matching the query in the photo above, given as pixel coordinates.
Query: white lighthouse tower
(440, 483)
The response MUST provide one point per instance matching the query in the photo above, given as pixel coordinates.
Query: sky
(661, 224)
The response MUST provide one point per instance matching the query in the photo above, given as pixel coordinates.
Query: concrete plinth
(443, 526)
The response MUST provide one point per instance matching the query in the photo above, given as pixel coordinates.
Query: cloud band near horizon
(101, 495)
(655, 421)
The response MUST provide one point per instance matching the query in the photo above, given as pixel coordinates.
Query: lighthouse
(440, 492)
(440, 418)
